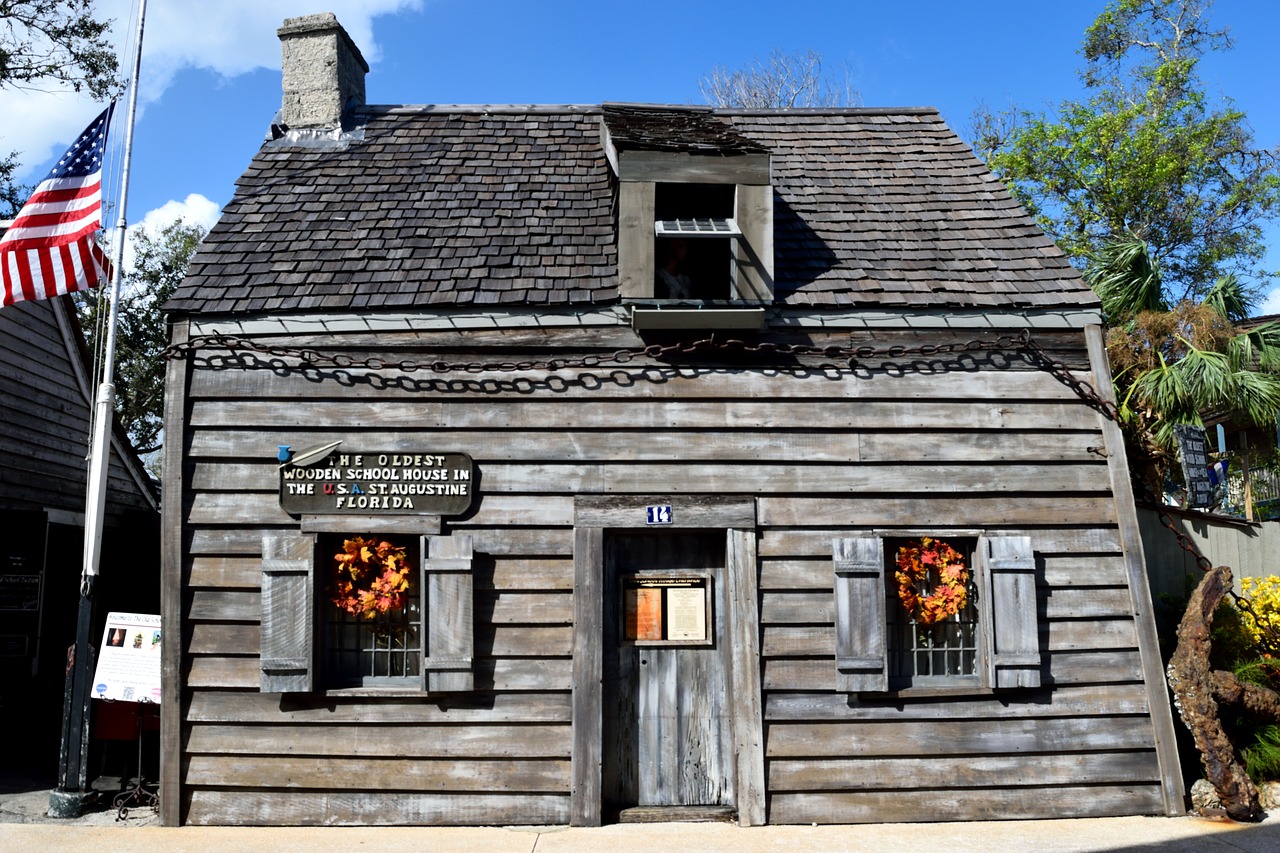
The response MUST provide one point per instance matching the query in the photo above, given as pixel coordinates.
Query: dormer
(695, 216)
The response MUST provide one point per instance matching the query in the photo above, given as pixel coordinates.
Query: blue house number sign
(658, 514)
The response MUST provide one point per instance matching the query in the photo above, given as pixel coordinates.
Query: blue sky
(212, 80)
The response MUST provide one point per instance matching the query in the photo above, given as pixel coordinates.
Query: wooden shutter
(447, 614)
(1015, 638)
(288, 613)
(861, 663)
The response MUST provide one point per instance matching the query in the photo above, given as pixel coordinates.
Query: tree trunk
(1193, 684)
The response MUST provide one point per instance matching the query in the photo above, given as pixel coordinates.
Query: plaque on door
(660, 610)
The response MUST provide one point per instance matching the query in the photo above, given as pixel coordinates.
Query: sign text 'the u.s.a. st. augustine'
(379, 483)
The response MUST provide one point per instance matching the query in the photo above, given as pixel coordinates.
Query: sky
(210, 75)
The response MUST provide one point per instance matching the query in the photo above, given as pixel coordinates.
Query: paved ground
(25, 827)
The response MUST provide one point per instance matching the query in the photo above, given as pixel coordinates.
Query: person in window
(671, 274)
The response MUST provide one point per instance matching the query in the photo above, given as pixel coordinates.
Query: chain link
(311, 358)
(1063, 374)
(1023, 342)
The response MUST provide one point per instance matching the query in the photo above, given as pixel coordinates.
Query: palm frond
(1257, 349)
(1257, 395)
(1164, 390)
(1207, 377)
(1126, 278)
(1229, 297)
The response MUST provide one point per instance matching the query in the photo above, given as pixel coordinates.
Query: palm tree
(1178, 364)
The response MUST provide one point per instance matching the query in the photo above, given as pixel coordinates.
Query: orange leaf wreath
(370, 578)
(915, 560)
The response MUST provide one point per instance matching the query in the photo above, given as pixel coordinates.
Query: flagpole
(72, 793)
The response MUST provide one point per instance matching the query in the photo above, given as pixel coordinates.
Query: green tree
(56, 41)
(784, 80)
(43, 42)
(12, 196)
(160, 263)
(1176, 364)
(1146, 153)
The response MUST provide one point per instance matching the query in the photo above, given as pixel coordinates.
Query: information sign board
(1194, 449)
(129, 659)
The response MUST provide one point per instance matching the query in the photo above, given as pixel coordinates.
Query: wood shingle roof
(468, 206)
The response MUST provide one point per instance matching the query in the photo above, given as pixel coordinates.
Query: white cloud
(228, 38)
(1270, 303)
(195, 209)
(235, 36)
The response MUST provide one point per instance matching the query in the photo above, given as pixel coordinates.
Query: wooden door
(667, 735)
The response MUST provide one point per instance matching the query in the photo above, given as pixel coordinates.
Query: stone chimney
(323, 72)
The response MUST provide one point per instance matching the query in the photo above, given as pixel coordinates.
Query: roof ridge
(414, 109)
(803, 111)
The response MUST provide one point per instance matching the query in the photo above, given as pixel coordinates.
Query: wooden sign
(378, 483)
(1194, 448)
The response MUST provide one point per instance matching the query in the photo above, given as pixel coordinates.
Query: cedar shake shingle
(446, 206)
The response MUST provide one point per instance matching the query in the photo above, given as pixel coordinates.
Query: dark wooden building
(654, 401)
(46, 393)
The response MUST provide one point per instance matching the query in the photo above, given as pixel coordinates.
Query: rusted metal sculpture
(1195, 698)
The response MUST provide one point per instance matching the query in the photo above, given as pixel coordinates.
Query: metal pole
(72, 793)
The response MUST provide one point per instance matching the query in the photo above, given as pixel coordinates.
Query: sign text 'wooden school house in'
(572, 464)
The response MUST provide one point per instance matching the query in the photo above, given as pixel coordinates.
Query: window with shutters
(935, 613)
(381, 611)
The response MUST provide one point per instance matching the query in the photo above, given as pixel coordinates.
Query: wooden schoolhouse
(576, 464)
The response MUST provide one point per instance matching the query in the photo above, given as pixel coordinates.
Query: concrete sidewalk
(24, 827)
(1120, 835)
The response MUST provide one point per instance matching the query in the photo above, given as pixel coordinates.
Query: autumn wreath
(370, 578)
(916, 559)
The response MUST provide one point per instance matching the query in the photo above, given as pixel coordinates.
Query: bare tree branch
(783, 81)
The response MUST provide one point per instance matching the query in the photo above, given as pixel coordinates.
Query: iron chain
(312, 358)
(1023, 342)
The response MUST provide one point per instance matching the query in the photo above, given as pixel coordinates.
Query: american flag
(49, 247)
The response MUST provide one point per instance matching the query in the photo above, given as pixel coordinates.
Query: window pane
(923, 652)
(371, 612)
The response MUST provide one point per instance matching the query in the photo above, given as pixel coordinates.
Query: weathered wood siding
(1248, 547)
(939, 443)
(44, 417)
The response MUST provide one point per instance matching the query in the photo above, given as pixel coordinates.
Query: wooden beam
(588, 661)
(745, 706)
(635, 240)
(682, 167)
(418, 525)
(686, 512)
(177, 373)
(1135, 562)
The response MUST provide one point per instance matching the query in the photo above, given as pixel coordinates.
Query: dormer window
(695, 209)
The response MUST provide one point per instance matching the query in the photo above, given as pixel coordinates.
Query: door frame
(736, 516)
